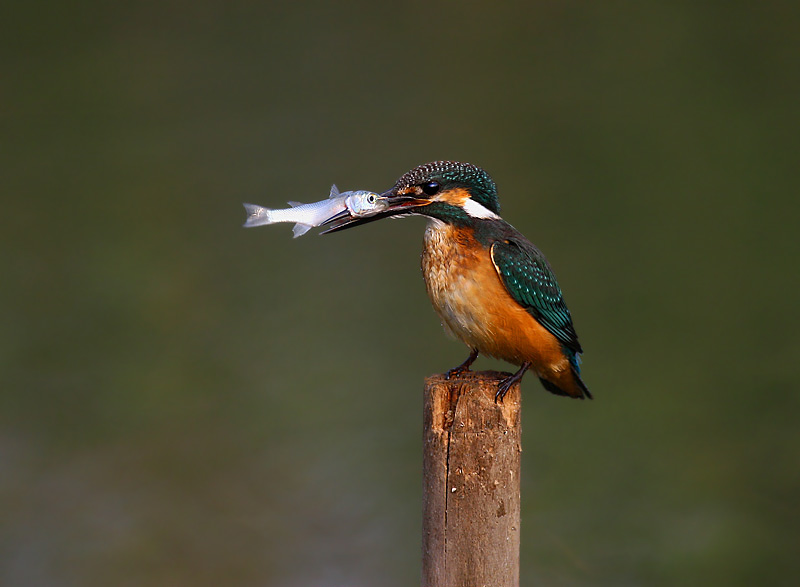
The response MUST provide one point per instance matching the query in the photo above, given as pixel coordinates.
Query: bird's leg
(463, 366)
(505, 384)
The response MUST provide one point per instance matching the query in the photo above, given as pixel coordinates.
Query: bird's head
(449, 191)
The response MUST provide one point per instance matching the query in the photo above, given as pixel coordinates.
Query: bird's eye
(431, 188)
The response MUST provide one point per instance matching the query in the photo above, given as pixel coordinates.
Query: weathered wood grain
(471, 482)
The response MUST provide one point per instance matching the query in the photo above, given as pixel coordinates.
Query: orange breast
(476, 308)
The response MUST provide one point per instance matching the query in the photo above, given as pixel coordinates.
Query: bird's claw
(463, 367)
(502, 389)
(455, 371)
(505, 384)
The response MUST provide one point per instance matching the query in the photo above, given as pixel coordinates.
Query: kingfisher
(491, 287)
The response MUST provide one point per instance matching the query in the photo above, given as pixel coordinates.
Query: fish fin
(300, 229)
(334, 191)
(256, 215)
(294, 204)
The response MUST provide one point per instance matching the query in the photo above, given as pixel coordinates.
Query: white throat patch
(478, 210)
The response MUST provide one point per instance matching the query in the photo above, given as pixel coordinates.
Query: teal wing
(526, 275)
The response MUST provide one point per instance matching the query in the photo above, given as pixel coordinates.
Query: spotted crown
(453, 174)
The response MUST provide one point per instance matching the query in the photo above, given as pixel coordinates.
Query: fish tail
(257, 215)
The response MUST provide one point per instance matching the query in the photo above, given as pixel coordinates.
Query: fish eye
(371, 199)
(431, 188)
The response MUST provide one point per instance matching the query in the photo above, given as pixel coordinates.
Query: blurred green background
(183, 402)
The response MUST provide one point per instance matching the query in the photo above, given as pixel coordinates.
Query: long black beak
(397, 205)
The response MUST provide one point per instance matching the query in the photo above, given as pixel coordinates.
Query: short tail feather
(573, 387)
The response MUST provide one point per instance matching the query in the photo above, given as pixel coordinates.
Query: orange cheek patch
(454, 197)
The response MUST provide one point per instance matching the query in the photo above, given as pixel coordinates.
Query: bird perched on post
(492, 288)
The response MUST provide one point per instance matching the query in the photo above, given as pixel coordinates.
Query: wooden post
(471, 482)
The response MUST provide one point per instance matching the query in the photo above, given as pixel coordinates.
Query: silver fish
(363, 203)
(358, 203)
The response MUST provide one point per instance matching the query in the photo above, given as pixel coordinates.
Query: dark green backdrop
(183, 402)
